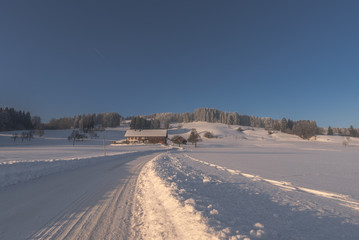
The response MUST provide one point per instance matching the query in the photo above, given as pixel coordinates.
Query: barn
(147, 136)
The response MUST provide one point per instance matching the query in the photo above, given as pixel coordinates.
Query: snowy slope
(321, 164)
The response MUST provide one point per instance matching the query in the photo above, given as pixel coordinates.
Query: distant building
(147, 136)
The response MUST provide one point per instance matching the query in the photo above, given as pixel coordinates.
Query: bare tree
(194, 137)
(15, 136)
(76, 136)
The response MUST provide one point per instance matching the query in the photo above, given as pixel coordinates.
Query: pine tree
(353, 132)
(290, 124)
(133, 123)
(283, 125)
(330, 130)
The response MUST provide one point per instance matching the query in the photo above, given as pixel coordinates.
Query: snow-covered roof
(146, 133)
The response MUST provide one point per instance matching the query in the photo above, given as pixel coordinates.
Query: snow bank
(230, 204)
(160, 215)
(165, 208)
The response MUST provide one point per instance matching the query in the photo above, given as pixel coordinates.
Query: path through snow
(91, 202)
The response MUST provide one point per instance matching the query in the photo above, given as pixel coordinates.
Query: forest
(84, 122)
(11, 119)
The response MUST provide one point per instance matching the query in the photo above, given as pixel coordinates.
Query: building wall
(152, 140)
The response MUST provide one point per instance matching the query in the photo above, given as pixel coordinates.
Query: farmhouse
(147, 136)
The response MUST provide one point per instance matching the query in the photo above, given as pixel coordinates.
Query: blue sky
(297, 59)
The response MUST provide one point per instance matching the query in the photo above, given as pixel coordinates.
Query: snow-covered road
(90, 202)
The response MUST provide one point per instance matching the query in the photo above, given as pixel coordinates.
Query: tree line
(303, 128)
(350, 132)
(142, 123)
(86, 122)
(203, 114)
(11, 119)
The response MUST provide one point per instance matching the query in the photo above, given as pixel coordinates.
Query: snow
(53, 153)
(252, 185)
(239, 185)
(50, 189)
(162, 216)
(89, 202)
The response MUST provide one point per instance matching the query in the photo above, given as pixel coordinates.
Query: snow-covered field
(52, 153)
(251, 185)
(240, 185)
(50, 189)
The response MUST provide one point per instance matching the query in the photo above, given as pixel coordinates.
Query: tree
(27, 136)
(133, 123)
(235, 118)
(36, 122)
(244, 120)
(305, 128)
(353, 132)
(15, 136)
(155, 124)
(76, 136)
(10, 119)
(330, 130)
(111, 119)
(179, 140)
(194, 137)
(166, 124)
(277, 126)
(283, 125)
(290, 124)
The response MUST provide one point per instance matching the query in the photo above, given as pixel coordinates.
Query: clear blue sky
(297, 59)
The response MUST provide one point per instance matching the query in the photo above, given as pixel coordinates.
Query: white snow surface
(251, 185)
(50, 189)
(240, 185)
(159, 215)
(53, 153)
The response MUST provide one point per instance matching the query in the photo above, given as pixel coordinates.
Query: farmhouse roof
(146, 133)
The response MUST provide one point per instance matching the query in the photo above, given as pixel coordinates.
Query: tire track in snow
(92, 202)
(105, 220)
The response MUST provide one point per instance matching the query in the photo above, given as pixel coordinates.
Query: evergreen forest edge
(11, 119)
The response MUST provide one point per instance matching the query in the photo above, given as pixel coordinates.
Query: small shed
(147, 136)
